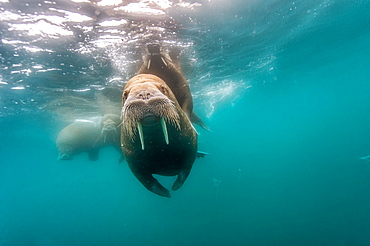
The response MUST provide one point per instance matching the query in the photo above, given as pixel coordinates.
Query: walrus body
(76, 138)
(157, 136)
(161, 65)
(87, 136)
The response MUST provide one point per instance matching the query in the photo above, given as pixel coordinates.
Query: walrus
(78, 137)
(162, 65)
(110, 131)
(157, 136)
(87, 136)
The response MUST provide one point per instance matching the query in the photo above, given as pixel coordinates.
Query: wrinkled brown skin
(169, 72)
(175, 158)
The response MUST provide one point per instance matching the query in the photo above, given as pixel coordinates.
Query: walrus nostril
(145, 95)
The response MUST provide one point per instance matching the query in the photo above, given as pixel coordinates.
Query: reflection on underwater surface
(282, 84)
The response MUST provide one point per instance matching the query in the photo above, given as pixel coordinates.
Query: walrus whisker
(164, 129)
(133, 112)
(141, 135)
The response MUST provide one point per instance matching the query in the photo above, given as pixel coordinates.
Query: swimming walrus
(157, 136)
(87, 136)
(78, 137)
(162, 65)
(110, 131)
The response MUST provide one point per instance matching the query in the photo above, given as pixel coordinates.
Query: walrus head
(109, 125)
(147, 100)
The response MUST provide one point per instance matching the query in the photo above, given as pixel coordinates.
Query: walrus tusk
(149, 61)
(141, 135)
(97, 140)
(164, 129)
(165, 63)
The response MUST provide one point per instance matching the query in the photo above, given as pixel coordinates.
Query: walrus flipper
(183, 175)
(194, 118)
(150, 182)
(93, 154)
(121, 159)
(154, 186)
(201, 154)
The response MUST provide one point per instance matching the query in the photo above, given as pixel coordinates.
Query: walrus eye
(125, 94)
(164, 90)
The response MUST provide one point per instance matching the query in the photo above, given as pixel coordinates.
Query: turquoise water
(284, 86)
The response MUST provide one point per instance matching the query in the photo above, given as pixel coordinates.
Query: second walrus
(167, 68)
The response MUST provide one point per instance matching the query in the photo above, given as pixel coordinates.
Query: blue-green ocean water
(284, 86)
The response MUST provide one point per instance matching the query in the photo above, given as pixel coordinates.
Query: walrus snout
(137, 113)
(146, 94)
(109, 128)
(109, 131)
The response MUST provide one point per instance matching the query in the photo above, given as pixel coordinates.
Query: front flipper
(93, 154)
(194, 118)
(180, 179)
(150, 182)
(154, 186)
(121, 159)
(201, 154)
